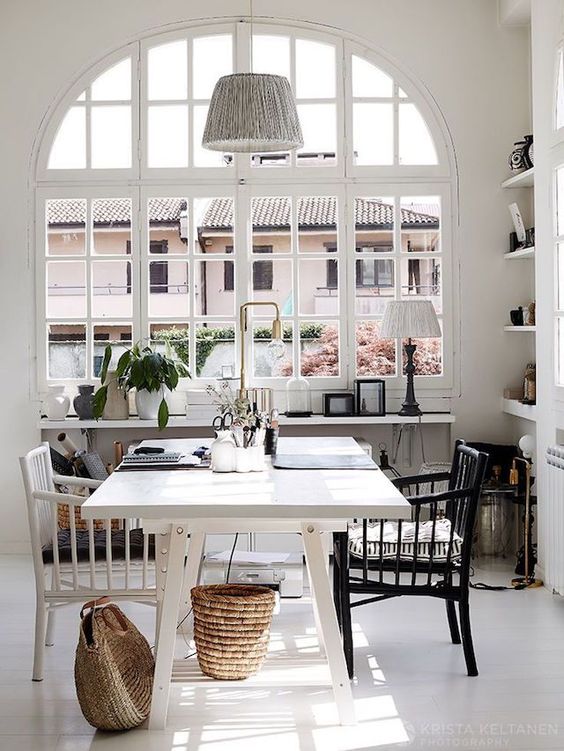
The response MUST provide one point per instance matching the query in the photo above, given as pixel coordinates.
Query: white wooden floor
(411, 692)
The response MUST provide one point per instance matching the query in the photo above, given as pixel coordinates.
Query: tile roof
(268, 212)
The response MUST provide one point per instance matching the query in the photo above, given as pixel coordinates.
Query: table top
(272, 494)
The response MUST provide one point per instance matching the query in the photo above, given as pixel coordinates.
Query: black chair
(429, 556)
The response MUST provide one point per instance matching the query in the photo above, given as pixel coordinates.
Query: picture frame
(370, 397)
(338, 405)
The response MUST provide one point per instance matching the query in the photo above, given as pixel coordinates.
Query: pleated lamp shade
(410, 319)
(252, 112)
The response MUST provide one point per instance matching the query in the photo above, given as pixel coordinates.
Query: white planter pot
(57, 403)
(147, 403)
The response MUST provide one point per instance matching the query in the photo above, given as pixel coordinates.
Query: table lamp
(410, 319)
(275, 352)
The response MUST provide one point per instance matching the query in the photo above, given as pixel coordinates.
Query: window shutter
(228, 272)
(263, 272)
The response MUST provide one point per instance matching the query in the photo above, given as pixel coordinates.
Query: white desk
(175, 503)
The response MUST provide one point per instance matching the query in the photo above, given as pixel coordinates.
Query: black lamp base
(410, 406)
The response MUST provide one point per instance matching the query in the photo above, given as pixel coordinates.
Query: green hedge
(208, 338)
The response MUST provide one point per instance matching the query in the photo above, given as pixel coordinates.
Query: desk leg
(193, 566)
(167, 628)
(328, 625)
(325, 542)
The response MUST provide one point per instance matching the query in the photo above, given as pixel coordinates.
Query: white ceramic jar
(223, 452)
(57, 404)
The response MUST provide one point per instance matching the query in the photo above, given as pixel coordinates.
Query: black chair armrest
(447, 495)
(401, 482)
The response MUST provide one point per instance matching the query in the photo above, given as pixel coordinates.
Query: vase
(82, 403)
(117, 405)
(57, 403)
(147, 403)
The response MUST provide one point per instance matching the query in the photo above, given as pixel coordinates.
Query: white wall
(476, 71)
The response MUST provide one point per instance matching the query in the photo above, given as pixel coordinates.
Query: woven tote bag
(113, 668)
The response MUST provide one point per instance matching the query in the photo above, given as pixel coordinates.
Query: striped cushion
(439, 547)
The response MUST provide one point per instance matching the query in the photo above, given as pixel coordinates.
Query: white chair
(75, 565)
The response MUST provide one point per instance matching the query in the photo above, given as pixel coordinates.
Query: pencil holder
(257, 458)
(243, 460)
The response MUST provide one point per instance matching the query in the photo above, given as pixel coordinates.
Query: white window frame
(91, 193)
(342, 180)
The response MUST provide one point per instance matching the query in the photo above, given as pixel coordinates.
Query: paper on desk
(242, 556)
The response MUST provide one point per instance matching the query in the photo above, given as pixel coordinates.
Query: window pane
(66, 289)
(111, 289)
(168, 71)
(374, 225)
(213, 219)
(204, 157)
(319, 128)
(317, 224)
(66, 227)
(319, 287)
(175, 335)
(210, 296)
(421, 277)
(168, 225)
(420, 224)
(69, 146)
(271, 216)
(560, 354)
(272, 281)
(114, 83)
(370, 81)
(319, 349)
(271, 54)
(167, 136)
(315, 70)
(215, 349)
(373, 133)
(168, 289)
(118, 335)
(560, 201)
(415, 143)
(374, 284)
(66, 350)
(213, 58)
(263, 367)
(112, 225)
(560, 91)
(428, 357)
(374, 356)
(560, 267)
(111, 137)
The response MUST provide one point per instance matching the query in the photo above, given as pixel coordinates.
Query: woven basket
(231, 628)
(63, 519)
(113, 669)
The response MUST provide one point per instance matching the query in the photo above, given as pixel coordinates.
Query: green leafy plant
(140, 368)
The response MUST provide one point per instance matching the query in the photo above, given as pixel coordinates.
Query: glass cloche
(298, 397)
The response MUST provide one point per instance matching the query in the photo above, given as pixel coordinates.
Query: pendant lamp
(252, 112)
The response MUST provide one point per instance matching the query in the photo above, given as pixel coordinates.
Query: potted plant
(153, 376)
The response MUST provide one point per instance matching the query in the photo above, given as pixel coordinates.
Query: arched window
(146, 235)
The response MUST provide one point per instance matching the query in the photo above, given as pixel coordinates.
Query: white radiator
(553, 520)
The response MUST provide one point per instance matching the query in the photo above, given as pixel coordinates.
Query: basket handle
(93, 604)
(119, 618)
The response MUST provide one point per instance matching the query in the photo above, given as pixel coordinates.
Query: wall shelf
(519, 328)
(134, 423)
(525, 179)
(515, 408)
(520, 254)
